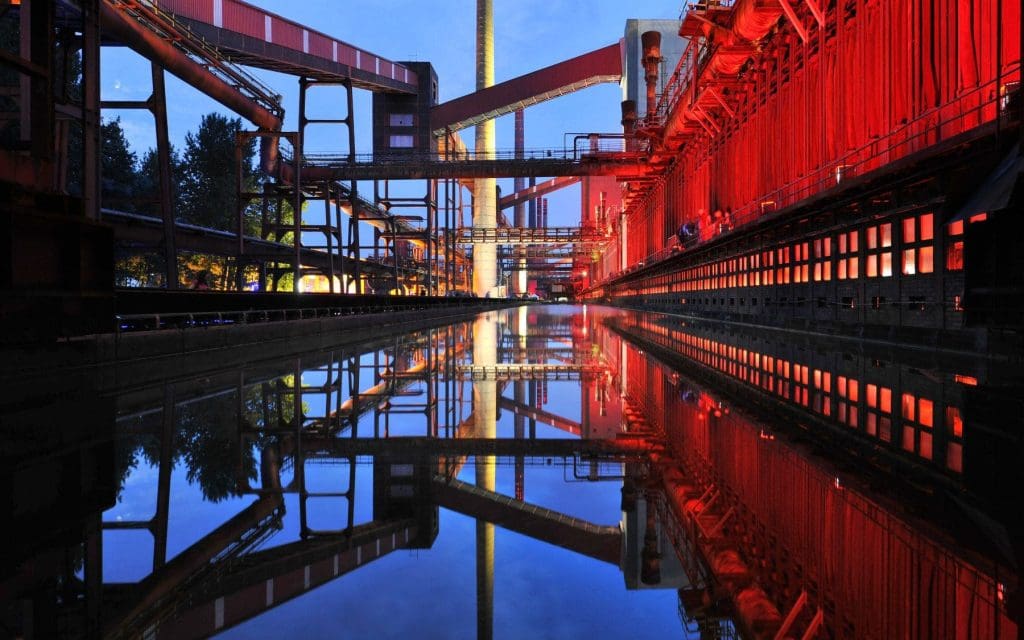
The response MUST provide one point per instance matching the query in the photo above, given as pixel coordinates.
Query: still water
(548, 472)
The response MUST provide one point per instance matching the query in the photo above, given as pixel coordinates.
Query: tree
(119, 166)
(148, 184)
(208, 185)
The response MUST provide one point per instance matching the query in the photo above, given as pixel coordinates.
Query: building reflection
(836, 492)
(778, 488)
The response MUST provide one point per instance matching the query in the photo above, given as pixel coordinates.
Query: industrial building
(788, 357)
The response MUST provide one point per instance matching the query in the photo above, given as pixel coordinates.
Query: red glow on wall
(761, 128)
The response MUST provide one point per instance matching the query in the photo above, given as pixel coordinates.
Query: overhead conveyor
(258, 38)
(596, 67)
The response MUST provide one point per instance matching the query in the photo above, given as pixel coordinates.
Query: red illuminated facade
(831, 157)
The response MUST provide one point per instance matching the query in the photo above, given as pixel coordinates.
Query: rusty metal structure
(415, 246)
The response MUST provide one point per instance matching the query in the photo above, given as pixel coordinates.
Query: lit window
(954, 423)
(885, 400)
(886, 265)
(927, 227)
(955, 255)
(908, 438)
(909, 267)
(924, 412)
(925, 259)
(908, 406)
(908, 230)
(925, 446)
(401, 142)
(400, 119)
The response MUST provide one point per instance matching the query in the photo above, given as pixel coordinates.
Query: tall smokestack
(519, 274)
(485, 205)
(651, 41)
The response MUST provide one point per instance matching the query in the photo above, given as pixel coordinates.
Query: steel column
(158, 105)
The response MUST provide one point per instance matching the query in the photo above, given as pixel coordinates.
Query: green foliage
(119, 167)
(147, 190)
(133, 269)
(209, 187)
(204, 193)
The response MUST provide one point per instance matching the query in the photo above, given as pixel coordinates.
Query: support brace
(801, 30)
(819, 15)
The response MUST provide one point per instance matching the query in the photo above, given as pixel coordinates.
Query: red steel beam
(583, 537)
(536, 191)
(542, 416)
(721, 101)
(801, 30)
(257, 37)
(819, 15)
(601, 65)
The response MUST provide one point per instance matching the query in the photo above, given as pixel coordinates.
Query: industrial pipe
(153, 47)
(651, 42)
(629, 123)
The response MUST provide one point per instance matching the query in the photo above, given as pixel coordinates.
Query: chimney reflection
(778, 489)
(485, 413)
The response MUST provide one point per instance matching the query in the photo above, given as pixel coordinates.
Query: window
(918, 250)
(955, 247)
(879, 412)
(782, 272)
(879, 262)
(401, 142)
(801, 254)
(848, 263)
(822, 262)
(955, 438)
(821, 399)
(849, 398)
(400, 120)
(918, 420)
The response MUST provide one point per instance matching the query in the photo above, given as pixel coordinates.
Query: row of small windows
(814, 389)
(840, 257)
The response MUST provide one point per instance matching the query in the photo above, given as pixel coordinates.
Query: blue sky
(529, 34)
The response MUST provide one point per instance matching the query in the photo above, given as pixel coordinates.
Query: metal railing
(125, 323)
(583, 145)
(701, 6)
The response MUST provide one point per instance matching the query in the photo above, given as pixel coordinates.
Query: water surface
(550, 472)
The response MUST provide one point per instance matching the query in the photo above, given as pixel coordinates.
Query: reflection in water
(485, 415)
(753, 484)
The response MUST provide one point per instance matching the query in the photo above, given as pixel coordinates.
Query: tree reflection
(207, 442)
(206, 437)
